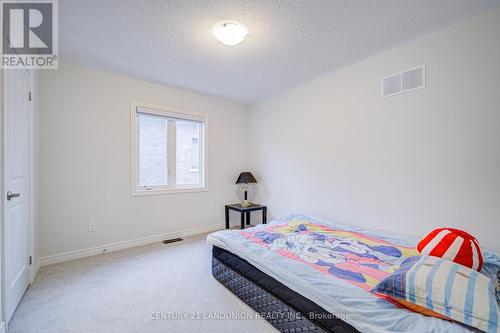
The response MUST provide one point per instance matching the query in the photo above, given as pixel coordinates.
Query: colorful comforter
(335, 266)
(357, 258)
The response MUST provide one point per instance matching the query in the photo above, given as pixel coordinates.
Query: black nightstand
(246, 211)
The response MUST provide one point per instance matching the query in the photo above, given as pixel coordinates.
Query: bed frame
(283, 308)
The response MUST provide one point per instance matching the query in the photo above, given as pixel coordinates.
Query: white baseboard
(35, 270)
(71, 255)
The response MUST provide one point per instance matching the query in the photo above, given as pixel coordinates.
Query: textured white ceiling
(290, 41)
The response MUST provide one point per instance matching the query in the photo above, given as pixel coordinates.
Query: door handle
(11, 195)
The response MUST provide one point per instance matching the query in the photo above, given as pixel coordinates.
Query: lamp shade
(246, 178)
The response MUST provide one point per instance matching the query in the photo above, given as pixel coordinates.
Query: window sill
(168, 191)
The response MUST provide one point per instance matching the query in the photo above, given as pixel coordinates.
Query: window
(152, 150)
(195, 154)
(167, 150)
(188, 134)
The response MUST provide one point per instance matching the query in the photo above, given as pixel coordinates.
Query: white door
(17, 162)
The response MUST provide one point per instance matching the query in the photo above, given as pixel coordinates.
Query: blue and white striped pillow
(446, 288)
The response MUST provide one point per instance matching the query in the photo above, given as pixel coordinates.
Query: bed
(304, 274)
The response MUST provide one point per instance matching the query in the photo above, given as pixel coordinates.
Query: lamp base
(246, 204)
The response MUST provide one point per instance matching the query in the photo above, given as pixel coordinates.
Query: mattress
(335, 266)
(274, 301)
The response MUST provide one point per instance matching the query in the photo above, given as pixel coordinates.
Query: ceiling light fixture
(230, 32)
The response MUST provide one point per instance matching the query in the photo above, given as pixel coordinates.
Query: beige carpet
(121, 291)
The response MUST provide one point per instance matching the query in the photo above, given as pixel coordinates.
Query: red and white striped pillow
(453, 244)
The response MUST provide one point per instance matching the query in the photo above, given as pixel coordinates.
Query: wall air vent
(405, 81)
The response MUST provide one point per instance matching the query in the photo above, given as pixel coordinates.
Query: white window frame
(170, 112)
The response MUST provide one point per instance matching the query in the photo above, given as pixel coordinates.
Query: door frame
(30, 173)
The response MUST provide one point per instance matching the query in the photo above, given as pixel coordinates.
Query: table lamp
(246, 178)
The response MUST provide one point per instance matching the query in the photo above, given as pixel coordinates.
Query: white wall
(331, 148)
(334, 148)
(84, 164)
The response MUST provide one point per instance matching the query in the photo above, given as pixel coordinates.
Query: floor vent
(405, 81)
(173, 240)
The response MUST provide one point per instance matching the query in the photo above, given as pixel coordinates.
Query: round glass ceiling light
(230, 32)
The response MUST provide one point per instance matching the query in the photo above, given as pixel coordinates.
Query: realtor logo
(29, 34)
